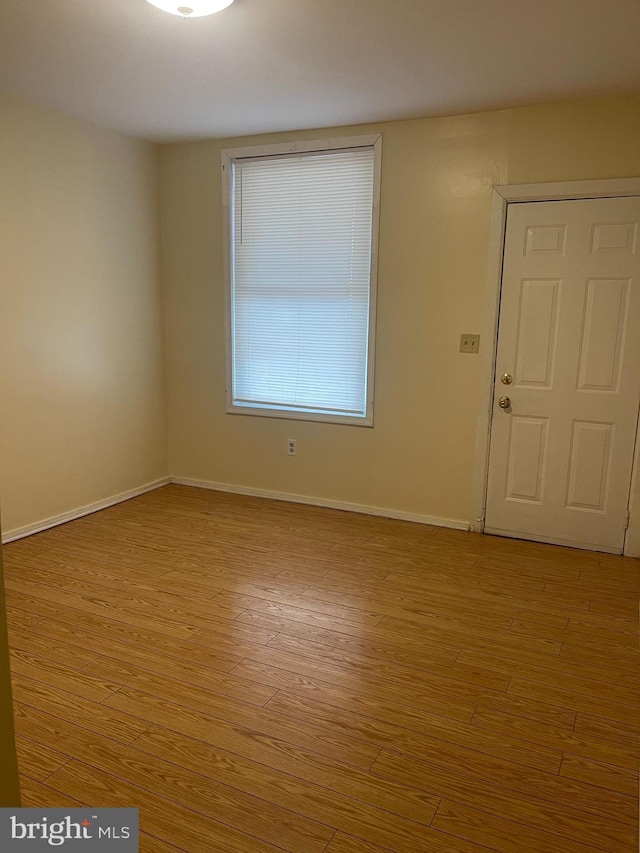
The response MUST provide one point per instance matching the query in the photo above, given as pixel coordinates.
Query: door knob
(504, 402)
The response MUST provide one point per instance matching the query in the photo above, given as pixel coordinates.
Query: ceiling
(268, 65)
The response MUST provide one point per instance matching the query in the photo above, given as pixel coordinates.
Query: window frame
(228, 157)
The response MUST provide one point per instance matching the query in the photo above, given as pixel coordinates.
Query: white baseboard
(45, 524)
(365, 509)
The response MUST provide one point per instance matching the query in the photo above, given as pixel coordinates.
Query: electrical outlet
(291, 447)
(470, 343)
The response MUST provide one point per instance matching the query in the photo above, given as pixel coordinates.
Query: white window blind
(301, 282)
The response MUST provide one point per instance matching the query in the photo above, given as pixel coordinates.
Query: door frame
(502, 197)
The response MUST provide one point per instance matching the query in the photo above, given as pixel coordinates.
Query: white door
(569, 336)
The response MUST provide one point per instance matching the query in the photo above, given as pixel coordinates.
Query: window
(302, 234)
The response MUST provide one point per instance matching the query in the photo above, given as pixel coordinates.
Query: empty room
(319, 426)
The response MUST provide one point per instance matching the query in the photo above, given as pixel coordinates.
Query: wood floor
(257, 676)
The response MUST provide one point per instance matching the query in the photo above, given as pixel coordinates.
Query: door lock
(506, 379)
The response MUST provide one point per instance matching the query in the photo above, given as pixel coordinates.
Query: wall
(9, 782)
(436, 197)
(632, 543)
(80, 325)
(82, 384)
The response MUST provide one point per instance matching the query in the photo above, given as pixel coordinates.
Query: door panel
(536, 335)
(589, 465)
(527, 446)
(607, 308)
(561, 454)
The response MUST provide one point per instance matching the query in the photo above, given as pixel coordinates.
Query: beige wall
(9, 782)
(80, 326)
(81, 381)
(436, 192)
(632, 543)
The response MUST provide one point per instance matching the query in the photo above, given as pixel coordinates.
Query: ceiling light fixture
(193, 8)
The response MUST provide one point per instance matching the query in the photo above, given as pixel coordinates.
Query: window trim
(228, 156)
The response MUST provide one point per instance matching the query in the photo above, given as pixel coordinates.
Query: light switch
(470, 343)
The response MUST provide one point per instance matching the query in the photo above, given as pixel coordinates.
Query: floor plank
(599, 774)
(35, 795)
(231, 807)
(242, 722)
(506, 836)
(90, 715)
(621, 753)
(568, 821)
(350, 811)
(38, 761)
(166, 819)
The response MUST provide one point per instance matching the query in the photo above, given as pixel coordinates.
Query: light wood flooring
(258, 676)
